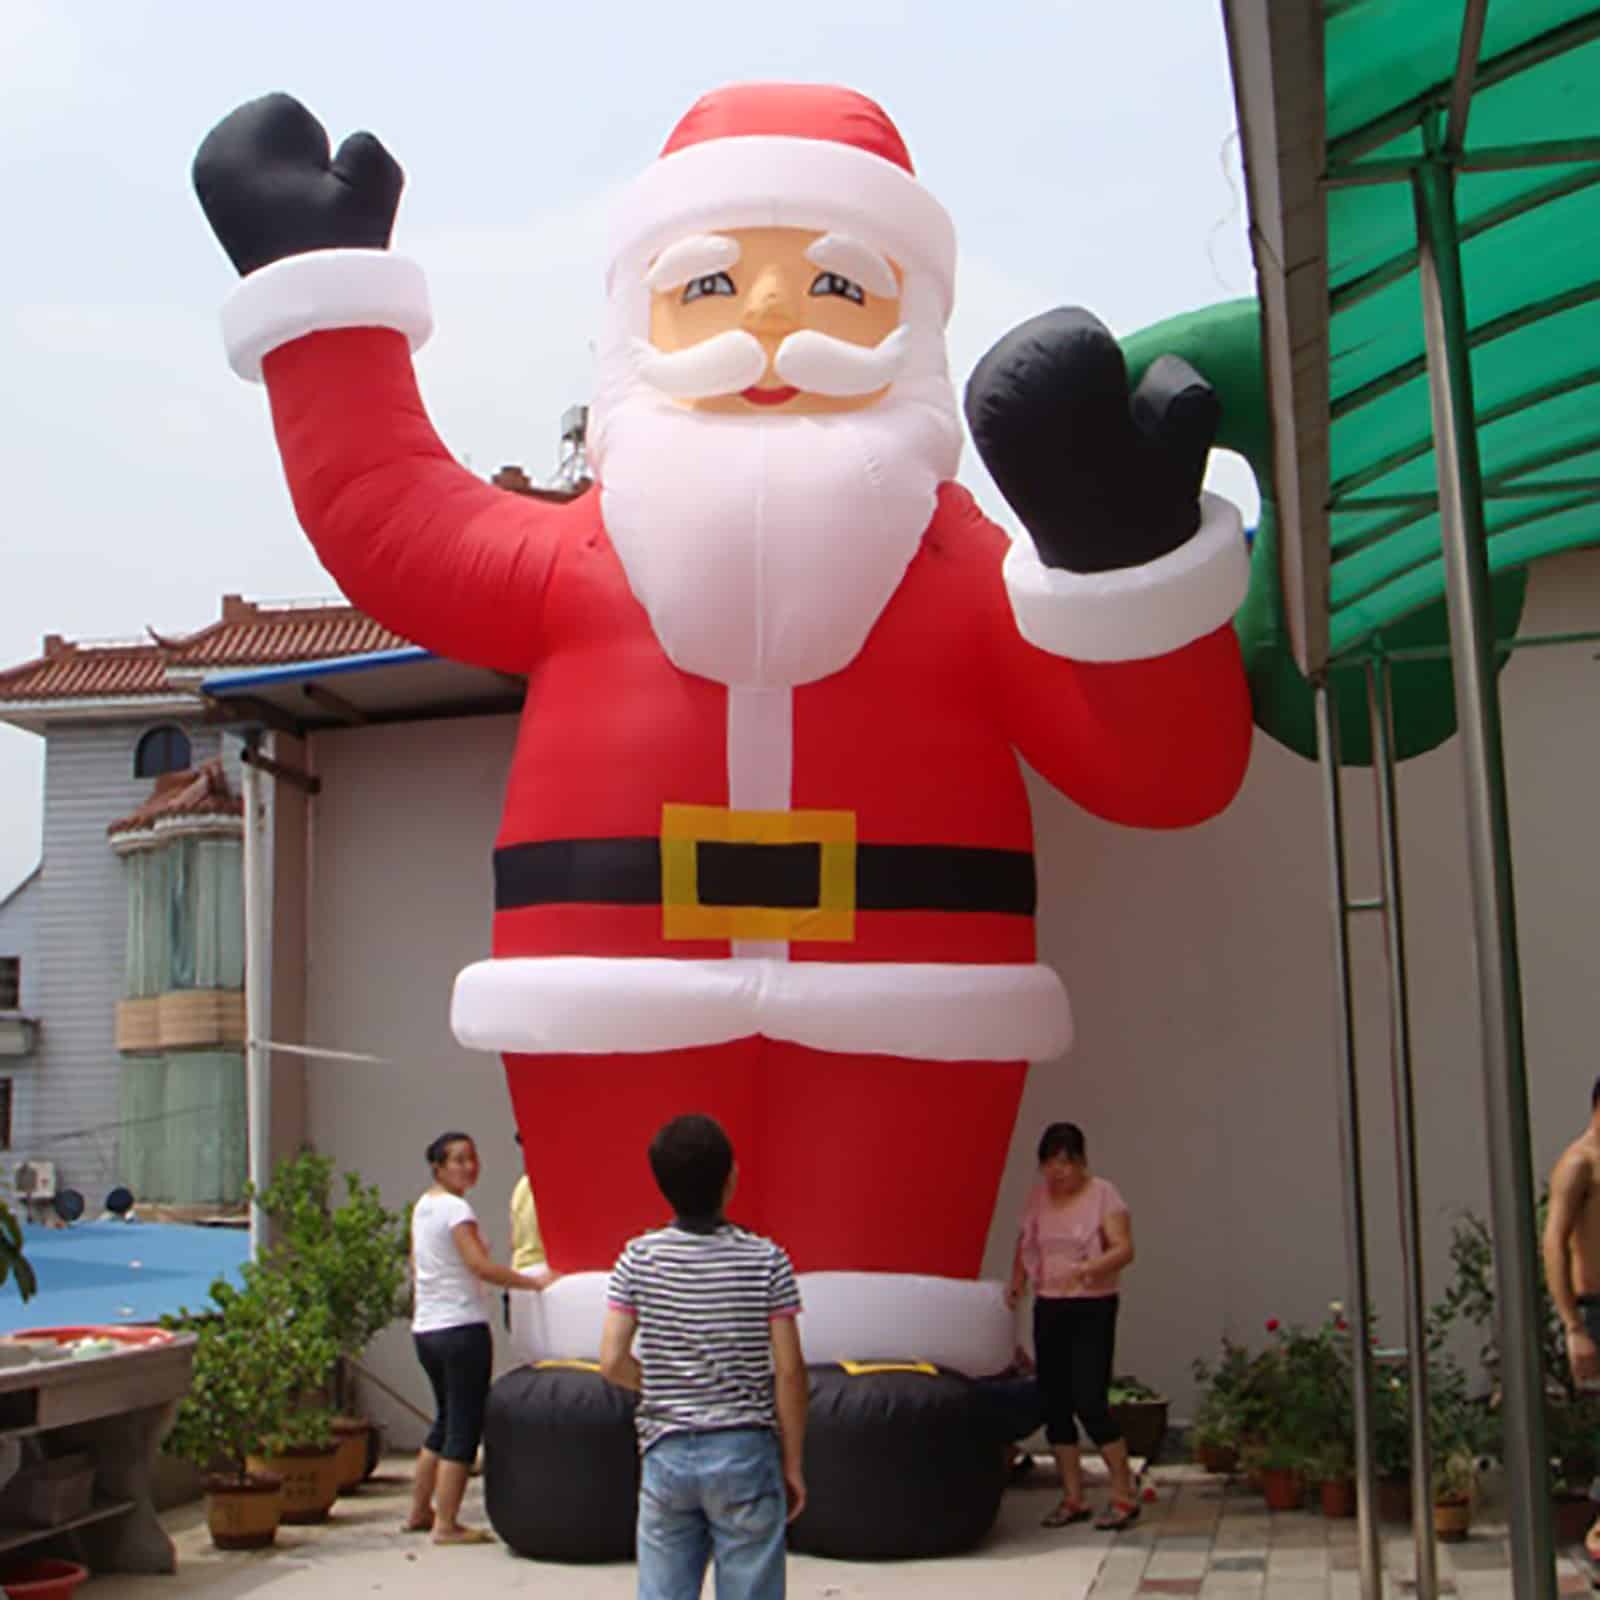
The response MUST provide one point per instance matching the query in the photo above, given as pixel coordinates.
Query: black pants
(1072, 1346)
(459, 1363)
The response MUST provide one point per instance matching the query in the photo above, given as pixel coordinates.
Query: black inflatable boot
(561, 1464)
(901, 1462)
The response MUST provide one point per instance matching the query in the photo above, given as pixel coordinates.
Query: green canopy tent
(1424, 184)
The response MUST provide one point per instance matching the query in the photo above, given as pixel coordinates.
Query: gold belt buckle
(684, 917)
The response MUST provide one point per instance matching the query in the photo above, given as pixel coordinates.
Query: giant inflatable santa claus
(766, 850)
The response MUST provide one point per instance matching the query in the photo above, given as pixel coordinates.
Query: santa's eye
(836, 283)
(711, 283)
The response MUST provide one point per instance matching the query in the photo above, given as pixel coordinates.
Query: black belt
(889, 877)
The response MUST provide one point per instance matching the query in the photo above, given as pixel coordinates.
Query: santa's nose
(770, 305)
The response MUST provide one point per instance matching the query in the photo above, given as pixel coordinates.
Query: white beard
(764, 548)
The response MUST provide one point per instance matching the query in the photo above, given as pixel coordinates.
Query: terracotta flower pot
(1452, 1518)
(350, 1440)
(1394, 1500)
(1143, 1424)
(48, 1579)
(1283, 1488)
(1338, 1497)
(244, 1515)
(310, 1480)
(1221, 1459)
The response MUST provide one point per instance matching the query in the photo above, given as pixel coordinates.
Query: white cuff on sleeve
(318, 292)
(1134, 612)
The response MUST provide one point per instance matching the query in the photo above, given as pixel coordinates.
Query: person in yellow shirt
(527, 1247)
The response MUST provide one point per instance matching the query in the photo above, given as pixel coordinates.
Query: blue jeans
(712, 1495)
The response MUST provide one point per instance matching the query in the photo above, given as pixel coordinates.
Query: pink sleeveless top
(1055, 1238)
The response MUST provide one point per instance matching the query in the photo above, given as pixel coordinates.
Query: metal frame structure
(1277, 55)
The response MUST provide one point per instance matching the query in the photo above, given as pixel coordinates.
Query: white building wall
(68, 1102)
(17, 939)
(1199, 967)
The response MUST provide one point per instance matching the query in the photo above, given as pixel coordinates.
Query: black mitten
(1099, 480)
(270, 187)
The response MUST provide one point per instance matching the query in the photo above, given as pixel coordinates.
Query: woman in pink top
(1075, 1239)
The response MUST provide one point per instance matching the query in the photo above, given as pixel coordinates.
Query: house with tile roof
(121, 1053)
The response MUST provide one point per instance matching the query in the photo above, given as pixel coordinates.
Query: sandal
(1065, 1514)
(465, 1536)
(408, 1526)
(1118, 1515)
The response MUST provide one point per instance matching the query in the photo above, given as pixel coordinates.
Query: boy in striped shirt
(711, 1311)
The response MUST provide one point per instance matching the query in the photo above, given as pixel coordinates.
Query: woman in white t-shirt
(450, 1326)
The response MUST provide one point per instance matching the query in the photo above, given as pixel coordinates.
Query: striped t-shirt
(704, 1304)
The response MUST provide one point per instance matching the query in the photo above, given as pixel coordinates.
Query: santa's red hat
(796, 155)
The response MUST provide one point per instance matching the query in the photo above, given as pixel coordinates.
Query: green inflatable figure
(1224, 343)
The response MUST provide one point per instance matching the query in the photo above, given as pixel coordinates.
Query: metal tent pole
(1464, 540)
(1349, 1101)
(1380, 710)
(256, 1058)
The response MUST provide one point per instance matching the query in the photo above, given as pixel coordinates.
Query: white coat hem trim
(590, 1005)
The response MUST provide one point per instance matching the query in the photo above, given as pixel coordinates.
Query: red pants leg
(878, 1164)
(586, 1123)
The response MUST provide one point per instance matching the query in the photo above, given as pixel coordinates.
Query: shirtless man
(1572, 1258)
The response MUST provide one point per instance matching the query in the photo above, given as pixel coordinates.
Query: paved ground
(1201, 1537)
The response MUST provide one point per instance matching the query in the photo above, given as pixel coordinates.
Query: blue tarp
(95, 1273)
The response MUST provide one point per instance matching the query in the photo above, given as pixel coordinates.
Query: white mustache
(735, 361)
(823, 365)
(727, 364)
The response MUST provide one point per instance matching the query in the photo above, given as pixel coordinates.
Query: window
(163, 749)
(5, 1113)
(10, 983)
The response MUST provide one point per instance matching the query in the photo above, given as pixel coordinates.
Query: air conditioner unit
(35, 1180)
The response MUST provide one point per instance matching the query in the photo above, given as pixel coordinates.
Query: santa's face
(772, 423)
(746, 293)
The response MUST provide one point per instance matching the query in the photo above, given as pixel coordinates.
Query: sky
(1085, 148)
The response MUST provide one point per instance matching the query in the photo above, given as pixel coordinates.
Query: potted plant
(243, 1384)
(302, 1453)
(1282, 1467)
(1332, 1470)
(1141, 1414)
(1572, 1415)
(1220, 1415)
(350, 1258)
(1391, 1442)
(1455, 1477)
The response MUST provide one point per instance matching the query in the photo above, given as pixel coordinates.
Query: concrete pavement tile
(1295, 1589)
(1238, 1563)
(1183, 1542)
(1297, 1563)
(1476, 1555)
(1124, 1565)
(1231, 1586)
(1170, 1586)
(1177, 1564)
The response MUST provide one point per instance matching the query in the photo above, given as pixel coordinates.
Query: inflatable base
(900, 1464)
(561, 1464)
(902, 1461)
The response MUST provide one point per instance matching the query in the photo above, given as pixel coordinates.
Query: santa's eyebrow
(692, 258)
(850, 258)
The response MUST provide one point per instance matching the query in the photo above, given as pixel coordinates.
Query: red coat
(916, 738)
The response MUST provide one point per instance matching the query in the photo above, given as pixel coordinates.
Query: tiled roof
(179, 801)
(247, 635)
